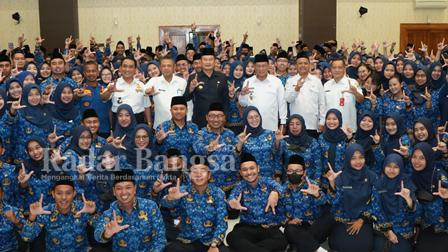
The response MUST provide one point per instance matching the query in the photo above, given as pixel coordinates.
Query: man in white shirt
(128, 90)
(305, 95)
(343, 93)
(265, 92)
(164, 88)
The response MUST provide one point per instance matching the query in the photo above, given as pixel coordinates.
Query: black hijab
(5, 100)
(334, 136)
(364, 138)
(64, 111)
(391, 142)
(418, 90)
(74, 142)
(302, 141)
(254, 131)
(121, 131)
(360, 181)
(131, 147)
(424, 180)
(427, 123)
(38, 115)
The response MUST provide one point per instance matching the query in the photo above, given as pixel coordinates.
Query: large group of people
(136, 149)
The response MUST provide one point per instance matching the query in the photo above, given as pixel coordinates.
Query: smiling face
(357, 161)
(295, 126)
(392, 170)
(178, 112)
(249, 171)
(35, 150)
(141, 138)
(15, 90)
(199, 175)
(63, 196)
(332, 121)
(67, 95)
(391, 126)
(418, 160)
(34, 97)
(125, 192)
(395, 86)
(420, 77)
(124, 118)
(253, 118)
(85, 140)
(408, 71)
(420, 132)
(108, 160)
(215, 119)
(366, 123)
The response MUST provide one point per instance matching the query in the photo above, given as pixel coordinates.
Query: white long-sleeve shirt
(166, 91)
(309, 102)
(269, 97)
(333, 94)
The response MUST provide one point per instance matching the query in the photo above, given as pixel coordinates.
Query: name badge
(347, 187)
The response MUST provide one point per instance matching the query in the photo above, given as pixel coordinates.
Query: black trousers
(382, 244)
(428, 240)
(306, 237)
(247, 238)
(178, 246)
(341, 241)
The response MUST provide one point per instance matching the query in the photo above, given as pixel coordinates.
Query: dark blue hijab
(35, 165)
(131, 147)
(121, 131)
(352, 71)
(254, 131)
(363, 138)
(74, 142)
(246, 62)
(8, 85)
(384, 80)
(424, 180)
(441, 81)
(360, 181)
(301, 141)
(391, 142)
(64, 111)
(38, 115)
(418, 90)
(409, 81)
(238, 82)
(333, 137)
(390, 202)
(432, 140)
(22, 75)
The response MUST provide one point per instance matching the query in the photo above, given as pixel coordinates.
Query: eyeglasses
(215, 116)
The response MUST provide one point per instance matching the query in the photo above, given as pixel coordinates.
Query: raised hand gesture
(242, 138)
(82, 167)
(441, 45)
(36, 209)
(403, 150)
(159, 185)
(246, 89)
(236, 204)
(376, 138)
(15, 105)
(161, 135)
(214, 145)
(312, 188)
(53, 138)
(113, 227)
(441, 192)
(331, 175)
(113, 88)
(299, 84)
(426, 95)
(174, 193)
(24, 176)
(406, 99)
(88, 207)
(118, 142)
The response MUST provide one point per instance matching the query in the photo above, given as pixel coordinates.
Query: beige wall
(382, 22)
(29, 25)
(279, 18)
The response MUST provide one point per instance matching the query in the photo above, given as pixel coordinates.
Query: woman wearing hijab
(234, 120)
(378, 63)
(368, 137)
(355, 203)
(125, 123)
(354, 61)
(79, 157)
(387, 73)
(425, 132)
(326, 71)
(400, 207)
(399, 65)
(249, 68)
(395, 139)
(152, 69)
(260, 143)
(428, 177)
(25, 78)
(14, 90)
(436, 83)
(332, 142)
(300, 143)
(30, 120)
(398, 100)
(44, 72)
(372, 94)
(65, 114)
(225, 68)
(421, 96)
(408, 76)
(142, 145)
(76, 74)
